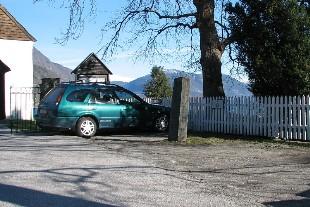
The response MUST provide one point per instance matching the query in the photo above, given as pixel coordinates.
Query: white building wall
(17, 55)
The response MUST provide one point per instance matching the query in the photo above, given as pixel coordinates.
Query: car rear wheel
(161, 123)
(86, 127)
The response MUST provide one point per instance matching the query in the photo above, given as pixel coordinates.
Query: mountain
(120, 83)
(44, 68)
(232, 87)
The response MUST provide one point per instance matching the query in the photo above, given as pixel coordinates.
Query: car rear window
(78, 96)
(52, 96)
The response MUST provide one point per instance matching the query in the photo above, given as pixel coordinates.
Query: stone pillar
(179, 110)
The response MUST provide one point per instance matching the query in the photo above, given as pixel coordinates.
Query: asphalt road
(141, 170)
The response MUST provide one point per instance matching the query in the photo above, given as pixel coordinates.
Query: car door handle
(92, 108)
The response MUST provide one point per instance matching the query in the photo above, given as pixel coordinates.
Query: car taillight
(58, 99)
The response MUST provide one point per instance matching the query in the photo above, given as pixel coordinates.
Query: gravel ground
(142, 170)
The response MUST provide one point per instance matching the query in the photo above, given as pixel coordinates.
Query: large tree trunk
(211, 49)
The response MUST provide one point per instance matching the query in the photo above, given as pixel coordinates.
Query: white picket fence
(281, 117)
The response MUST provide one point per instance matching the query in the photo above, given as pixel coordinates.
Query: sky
(47, 21)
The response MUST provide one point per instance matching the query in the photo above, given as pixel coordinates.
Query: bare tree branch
(166, 28)
(161, 16)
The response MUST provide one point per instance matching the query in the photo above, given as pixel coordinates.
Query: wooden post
(179, 110)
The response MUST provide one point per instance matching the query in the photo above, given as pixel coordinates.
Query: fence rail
(281, 117)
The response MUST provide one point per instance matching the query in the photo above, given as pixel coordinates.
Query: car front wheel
(86, 127)
(161, 123)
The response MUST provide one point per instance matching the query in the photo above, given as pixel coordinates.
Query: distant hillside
(120, 83)
(232, 86)
(44, 68)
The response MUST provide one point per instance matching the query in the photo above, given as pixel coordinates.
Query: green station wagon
(86, 107)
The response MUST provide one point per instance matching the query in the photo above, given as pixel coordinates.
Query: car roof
(94, 85)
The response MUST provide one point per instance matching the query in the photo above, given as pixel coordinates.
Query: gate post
(179, 110)
(11, 121)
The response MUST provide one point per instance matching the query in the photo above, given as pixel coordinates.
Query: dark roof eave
(4, 66)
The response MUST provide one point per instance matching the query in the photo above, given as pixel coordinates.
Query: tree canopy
(188, 28)
(272, 43)
(158, 86)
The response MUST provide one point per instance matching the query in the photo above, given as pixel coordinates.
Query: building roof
(4, 68)
(92, 65)
(11, 29)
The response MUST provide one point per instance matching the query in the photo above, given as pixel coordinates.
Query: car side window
(103, 97)
(126, 97)
(78, 96)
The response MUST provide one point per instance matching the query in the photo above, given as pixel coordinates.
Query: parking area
(141, 169)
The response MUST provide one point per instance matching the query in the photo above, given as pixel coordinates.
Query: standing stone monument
(179, 110)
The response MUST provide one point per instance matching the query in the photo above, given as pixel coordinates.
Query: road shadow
(289, 203)
(100, 133)
(304, 202)
(33, 198)
(4, 132)
(58, 143)
(130, 136)
(4, 129)
(81, 179)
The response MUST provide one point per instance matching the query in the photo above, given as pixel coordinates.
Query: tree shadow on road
(101, 134)
(82, 179)
(33, 198)
(304, 202)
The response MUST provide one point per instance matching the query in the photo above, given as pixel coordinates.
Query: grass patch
(196, 140)
(218, 139)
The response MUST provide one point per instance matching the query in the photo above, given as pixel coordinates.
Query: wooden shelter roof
(92, 65)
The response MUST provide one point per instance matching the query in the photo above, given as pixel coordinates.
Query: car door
(105, 106)
(133, 107)
(75, 104)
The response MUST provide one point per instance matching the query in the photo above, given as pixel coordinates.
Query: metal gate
(23, 106)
